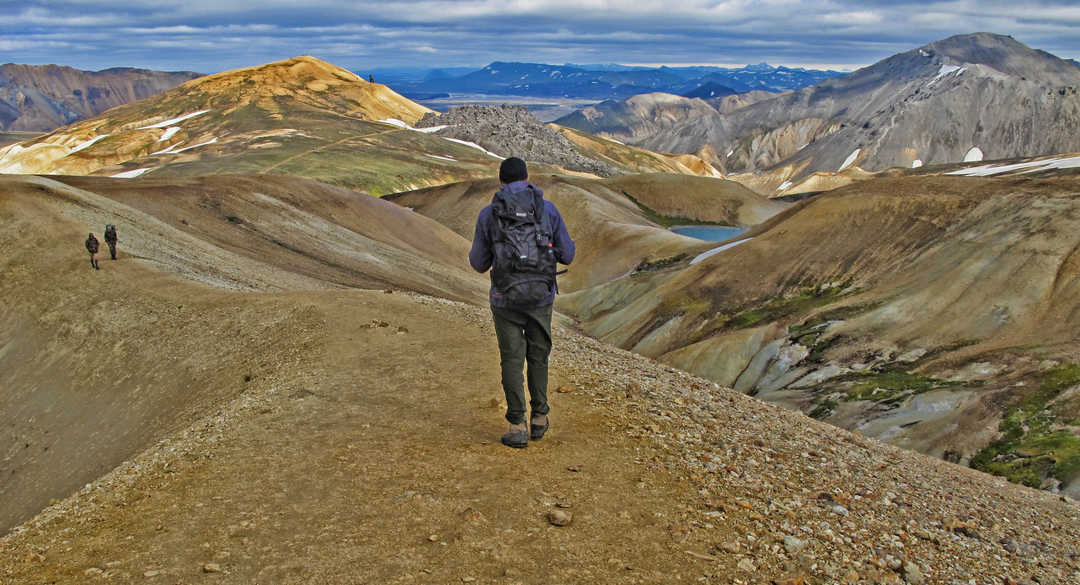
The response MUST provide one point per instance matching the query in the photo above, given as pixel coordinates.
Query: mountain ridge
(926, 105)
(543, 80)
(41, 98)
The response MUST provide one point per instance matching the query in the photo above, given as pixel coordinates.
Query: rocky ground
(371, 455)
(514, 131)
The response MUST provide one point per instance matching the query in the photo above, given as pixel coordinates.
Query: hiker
(520, 237)
(110, 239)
(371, 78)
(92, 247)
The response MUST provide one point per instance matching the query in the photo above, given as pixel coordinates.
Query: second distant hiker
(92, 246)
(110, 239)
(521, 237)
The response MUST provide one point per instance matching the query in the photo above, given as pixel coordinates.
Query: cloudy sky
(215, 35)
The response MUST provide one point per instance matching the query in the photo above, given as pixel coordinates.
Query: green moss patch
(889, 386)
(824, 409)
(775, 309)
(660, 263)
(1033, 445)
(809, 332)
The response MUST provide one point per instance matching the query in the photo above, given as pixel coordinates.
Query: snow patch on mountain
(850, 159)
(716, 251)
(172, 121)
(132, 174)
(473, 145)
(88, 143)
(169, 133)
(167, 150)
(404, 126)
(211, 141)
(1031, 166)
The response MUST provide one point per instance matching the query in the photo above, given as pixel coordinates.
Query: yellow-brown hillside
(247, 120)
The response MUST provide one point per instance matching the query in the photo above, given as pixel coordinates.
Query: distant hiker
(110, 239)
(92, 247)
(520, 236)
(371, 78)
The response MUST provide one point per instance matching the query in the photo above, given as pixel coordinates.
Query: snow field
(1031, 166)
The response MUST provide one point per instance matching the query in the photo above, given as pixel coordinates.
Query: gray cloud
(212, 35)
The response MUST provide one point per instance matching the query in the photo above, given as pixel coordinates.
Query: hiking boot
(517, 437)
(539, 426)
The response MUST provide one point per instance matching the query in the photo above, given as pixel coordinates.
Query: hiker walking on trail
(92, 247)
(110, 239)
(520, 237)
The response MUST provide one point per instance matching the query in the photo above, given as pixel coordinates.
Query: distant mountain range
(960, 98)
(600, 81)
(40, 98)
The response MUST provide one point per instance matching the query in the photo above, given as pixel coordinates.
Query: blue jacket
(481, 255)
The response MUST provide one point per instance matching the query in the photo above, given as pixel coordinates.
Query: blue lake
(709, 233)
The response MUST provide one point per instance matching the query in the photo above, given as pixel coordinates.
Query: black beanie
(513, 169)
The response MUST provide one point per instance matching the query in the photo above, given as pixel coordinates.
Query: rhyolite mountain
(967, 96)
(40, 98)
(309, 118)
(300, 116)
(613, 82)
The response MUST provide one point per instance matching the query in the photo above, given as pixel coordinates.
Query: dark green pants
(524, 336)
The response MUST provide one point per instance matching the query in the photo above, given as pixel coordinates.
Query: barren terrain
(297, 434)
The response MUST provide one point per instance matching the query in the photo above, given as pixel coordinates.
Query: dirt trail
(327, 145)
(345, 472)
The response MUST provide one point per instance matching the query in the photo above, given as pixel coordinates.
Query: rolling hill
(936, 309)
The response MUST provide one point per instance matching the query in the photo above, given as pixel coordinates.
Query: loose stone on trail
(560, 517)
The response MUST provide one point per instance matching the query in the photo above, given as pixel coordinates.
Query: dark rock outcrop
(514, 131)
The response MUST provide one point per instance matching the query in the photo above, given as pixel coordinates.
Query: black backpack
(523, 268)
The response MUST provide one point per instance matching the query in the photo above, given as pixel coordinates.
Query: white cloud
(211, 35)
